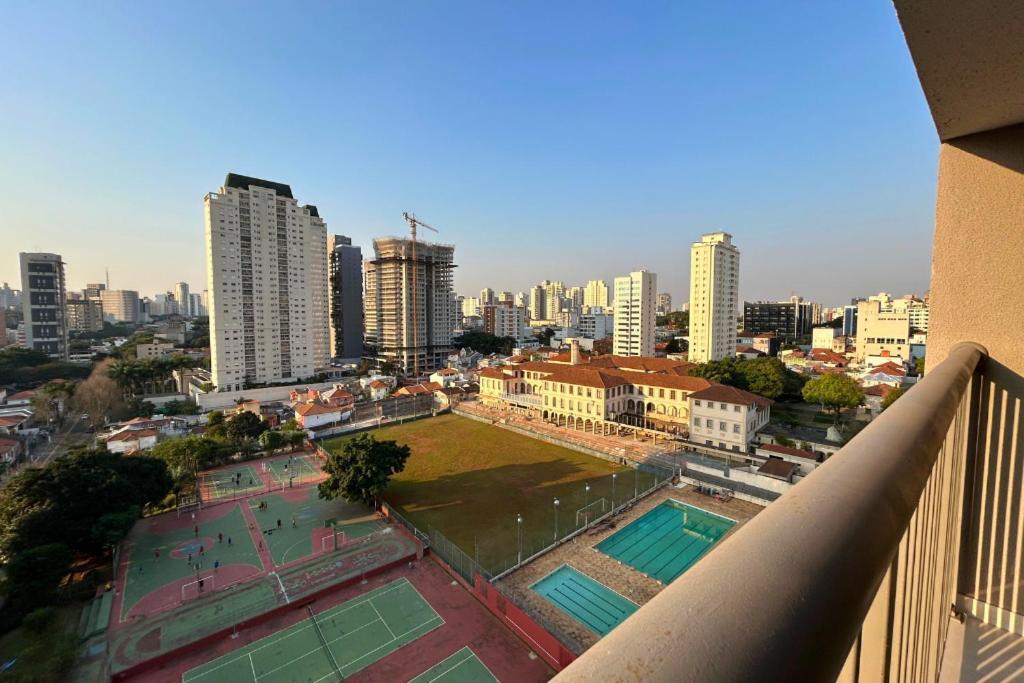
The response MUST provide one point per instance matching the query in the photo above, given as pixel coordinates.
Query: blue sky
(546, 140)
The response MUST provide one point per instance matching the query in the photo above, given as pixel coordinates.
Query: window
(735, 409)
(721, 426)
(710, 424)
(735, 429)
(696, 402)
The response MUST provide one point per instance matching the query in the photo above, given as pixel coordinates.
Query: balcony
(901, 558)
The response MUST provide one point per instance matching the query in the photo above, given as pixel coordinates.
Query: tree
(673, 346)
(891, 397)
(484, 343)
(100, 397)
(271, 440)
(603, 347)
(34, 574)
(187, 455)
(834, 392)
(919, 366)
(112, 528)
(764, 376)
(545, 336)
(245, 425)
(725, 371)
(363, 469)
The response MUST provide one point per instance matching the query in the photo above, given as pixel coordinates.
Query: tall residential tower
(43, 304)
(410, 304)
(345, 268)
(635, 298)
(714, 287)
(266, 259)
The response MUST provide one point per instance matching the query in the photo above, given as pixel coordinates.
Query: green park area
(470, 481)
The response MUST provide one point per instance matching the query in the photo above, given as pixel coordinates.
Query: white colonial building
(727, 418)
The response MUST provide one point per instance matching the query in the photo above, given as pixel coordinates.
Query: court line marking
(253, 667)
(469, 656)
(392, 641)
(377, 612)
(334, 611)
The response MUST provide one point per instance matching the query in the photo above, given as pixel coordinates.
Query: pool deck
(581, 554)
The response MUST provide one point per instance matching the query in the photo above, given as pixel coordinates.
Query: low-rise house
(314, 415)
(21, 398)
(747, 352)
(10, 450)
(338, 397)
(132, 440)
(417, 390)
(378, 390)
(828, 358)
(776, 468)
(13, 423)
(725, 417)
(806, 460)
(446, 377)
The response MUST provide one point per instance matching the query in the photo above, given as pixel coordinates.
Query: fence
(456, 558)
(392, 514)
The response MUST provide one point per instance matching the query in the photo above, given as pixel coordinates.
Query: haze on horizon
(565, 142)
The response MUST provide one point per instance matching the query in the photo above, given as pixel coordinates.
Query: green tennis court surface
(221, 484)
(462, 667)
(340, 640)
(297, 469)
(308, 512)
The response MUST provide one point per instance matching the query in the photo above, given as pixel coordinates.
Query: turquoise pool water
(589, 602)
(667, 540)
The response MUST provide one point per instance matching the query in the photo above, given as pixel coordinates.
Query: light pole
(519, 528)
(614, 475)
(556, 520)
(586, 504)
(636, 482)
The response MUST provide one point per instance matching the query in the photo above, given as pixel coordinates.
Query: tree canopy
(834, 392)
(891, 397)
(484, 343)
(244, 425)
(363, 468)
(64, 501)
(766, 376)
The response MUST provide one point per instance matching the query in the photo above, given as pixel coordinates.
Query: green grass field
(341, 640)
(469, 480)
(290, 543)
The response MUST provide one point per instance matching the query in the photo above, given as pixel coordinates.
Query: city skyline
(633, 148)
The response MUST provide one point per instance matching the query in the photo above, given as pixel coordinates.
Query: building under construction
(410, 304)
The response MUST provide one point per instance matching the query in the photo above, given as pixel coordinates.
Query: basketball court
(234, 482)
(293, 470)
(338, 641)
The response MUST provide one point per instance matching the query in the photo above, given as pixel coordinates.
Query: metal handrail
(785, 597)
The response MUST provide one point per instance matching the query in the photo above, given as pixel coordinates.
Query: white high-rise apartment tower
(44, 304)
(635, 299)
(410, 306)
(266, 260)
(595, 294)
(181, 296)
(714, 289)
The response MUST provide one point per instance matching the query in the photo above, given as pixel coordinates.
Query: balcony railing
(851, 575)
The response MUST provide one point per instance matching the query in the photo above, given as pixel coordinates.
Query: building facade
(267, 281)
(410, 305)
(882, 330)
(120, 305)
(789, 320)
(183, 300)
(664, 303)
(714, 291)
(44, 304)
(727, 418)
(84, 315)
(635, 316)
(345, 273)
(595, 293)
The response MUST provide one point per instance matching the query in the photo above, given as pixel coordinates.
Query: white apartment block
(596, 325)
(595, 293)
(714, 288)
(727, 418)
(410, 306)
(635, 299)
(664, 303)
(181, 297)
(266, 259)
(510, 321)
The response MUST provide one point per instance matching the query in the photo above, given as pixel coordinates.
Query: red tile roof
(21, 396)
(882, 390)
(746, 349)
(305, 409)
(377, 384)
(11, 420)
(776, 467)
(8, 445)
(587, 377)
(418, 389)
(723, 393)
(828, 356)
(133, 435)
(788, 450)
(889, 368)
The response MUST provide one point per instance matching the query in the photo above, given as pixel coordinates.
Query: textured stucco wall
(977, 286)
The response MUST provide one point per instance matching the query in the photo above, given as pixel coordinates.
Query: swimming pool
(589, 602)
(667, 540)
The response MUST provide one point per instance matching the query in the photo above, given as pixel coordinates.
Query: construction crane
(414, 222)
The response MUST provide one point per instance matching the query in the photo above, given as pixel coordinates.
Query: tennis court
(336, 642)
(293, 470)
(462, 667)
(230, 483)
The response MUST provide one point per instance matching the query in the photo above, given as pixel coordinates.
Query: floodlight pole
(586, 504)
(519, 527)
(556, 520)
(614, 475)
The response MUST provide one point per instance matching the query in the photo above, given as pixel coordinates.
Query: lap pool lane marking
(434, 621)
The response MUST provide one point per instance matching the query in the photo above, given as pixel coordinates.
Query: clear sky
(560, 140)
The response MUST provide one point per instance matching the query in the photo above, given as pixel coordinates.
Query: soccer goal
(329, 543)
(194, 589)
(588, 513)
(187, 504)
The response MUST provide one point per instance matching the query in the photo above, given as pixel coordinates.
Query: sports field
(168, 554)
(293, 469)
(334, 643)
(462, 667)
(302, 514)
(230, 482)
(470, 480)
